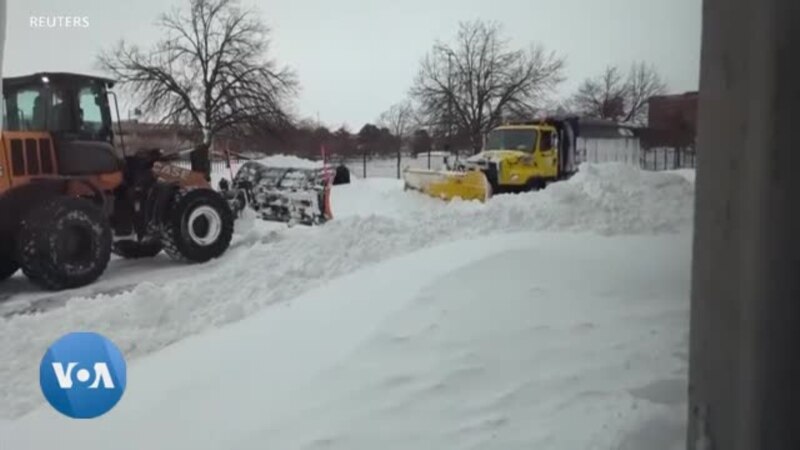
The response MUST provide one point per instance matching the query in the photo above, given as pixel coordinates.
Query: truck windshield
(511, 140)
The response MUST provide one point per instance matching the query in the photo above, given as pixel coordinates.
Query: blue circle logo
(83, 375)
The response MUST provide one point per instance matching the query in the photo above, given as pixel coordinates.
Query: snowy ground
(555, 319)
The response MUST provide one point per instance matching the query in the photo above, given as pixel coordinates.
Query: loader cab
(68, 105)
(58, 124)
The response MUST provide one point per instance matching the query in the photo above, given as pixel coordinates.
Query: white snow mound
(375, 220)
(290, 161)
(525, 340)
(604, 198)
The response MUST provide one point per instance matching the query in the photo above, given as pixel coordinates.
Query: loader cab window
(59, 118)
(512, 139)
(92, 123)
(26, 110)
(72, 109)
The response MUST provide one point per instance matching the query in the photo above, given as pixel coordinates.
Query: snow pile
(612, 199)
(605, 198)
(523, 340)
(689, 174)
(290, 161)
(158, 303)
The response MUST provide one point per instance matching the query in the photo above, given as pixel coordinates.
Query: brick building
(672, 121)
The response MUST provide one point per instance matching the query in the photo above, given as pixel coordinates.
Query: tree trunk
(201, 160)
(477, 142)
(399, 162)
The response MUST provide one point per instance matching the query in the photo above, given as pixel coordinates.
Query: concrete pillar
(745, 332)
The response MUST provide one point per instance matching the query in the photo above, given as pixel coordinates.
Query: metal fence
(388, 167)
(668, 158)
(590, 152)
(219, 167)
(392, 167)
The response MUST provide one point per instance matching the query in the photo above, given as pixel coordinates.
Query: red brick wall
(672, 120)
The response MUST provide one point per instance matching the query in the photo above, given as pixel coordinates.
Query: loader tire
(199, 226)
(8, 263)
(64, 243)
(136, 250)
(535, 184)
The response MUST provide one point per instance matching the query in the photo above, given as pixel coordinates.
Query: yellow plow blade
(446, 185)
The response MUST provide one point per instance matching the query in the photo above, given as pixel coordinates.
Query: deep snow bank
(290, 161)
(524, 340)
(375, 220)
(604, 198)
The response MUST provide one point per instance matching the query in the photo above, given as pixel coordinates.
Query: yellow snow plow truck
(517, 157)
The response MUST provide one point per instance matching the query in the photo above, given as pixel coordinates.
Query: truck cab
(525, 156)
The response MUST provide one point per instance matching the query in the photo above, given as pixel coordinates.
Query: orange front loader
(69, 197)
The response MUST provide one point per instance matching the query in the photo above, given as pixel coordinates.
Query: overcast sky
(354, 58)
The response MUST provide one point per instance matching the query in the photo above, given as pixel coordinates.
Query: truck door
(547, 155)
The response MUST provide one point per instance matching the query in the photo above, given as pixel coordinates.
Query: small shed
(607, 141)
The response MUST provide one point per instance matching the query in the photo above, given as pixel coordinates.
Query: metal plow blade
(291, 195)
(447, 185)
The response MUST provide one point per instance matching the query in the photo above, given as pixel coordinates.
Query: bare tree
(615, 97)
(602, 97)
(643, 82)
(398, 119)
(210, 72)
(468, 87)
(417, 119)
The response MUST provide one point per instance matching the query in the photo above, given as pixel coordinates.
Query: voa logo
(83, 375)
(101, 373)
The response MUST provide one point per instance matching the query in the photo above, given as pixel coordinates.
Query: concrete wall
(744, 375)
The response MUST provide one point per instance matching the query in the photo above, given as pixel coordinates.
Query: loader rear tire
(136, 250)
(64, 243)
(199, 226)
(8, 263)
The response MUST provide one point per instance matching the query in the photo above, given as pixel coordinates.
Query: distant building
(170, 139)
(672, 121)
(138, 136)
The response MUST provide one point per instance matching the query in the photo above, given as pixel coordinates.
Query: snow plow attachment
(280, 194)
(447, 185)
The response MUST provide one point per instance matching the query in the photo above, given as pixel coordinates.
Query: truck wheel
(64, 243)
(8, 264)
(199, 226)
(535, 184)
(135, 249)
